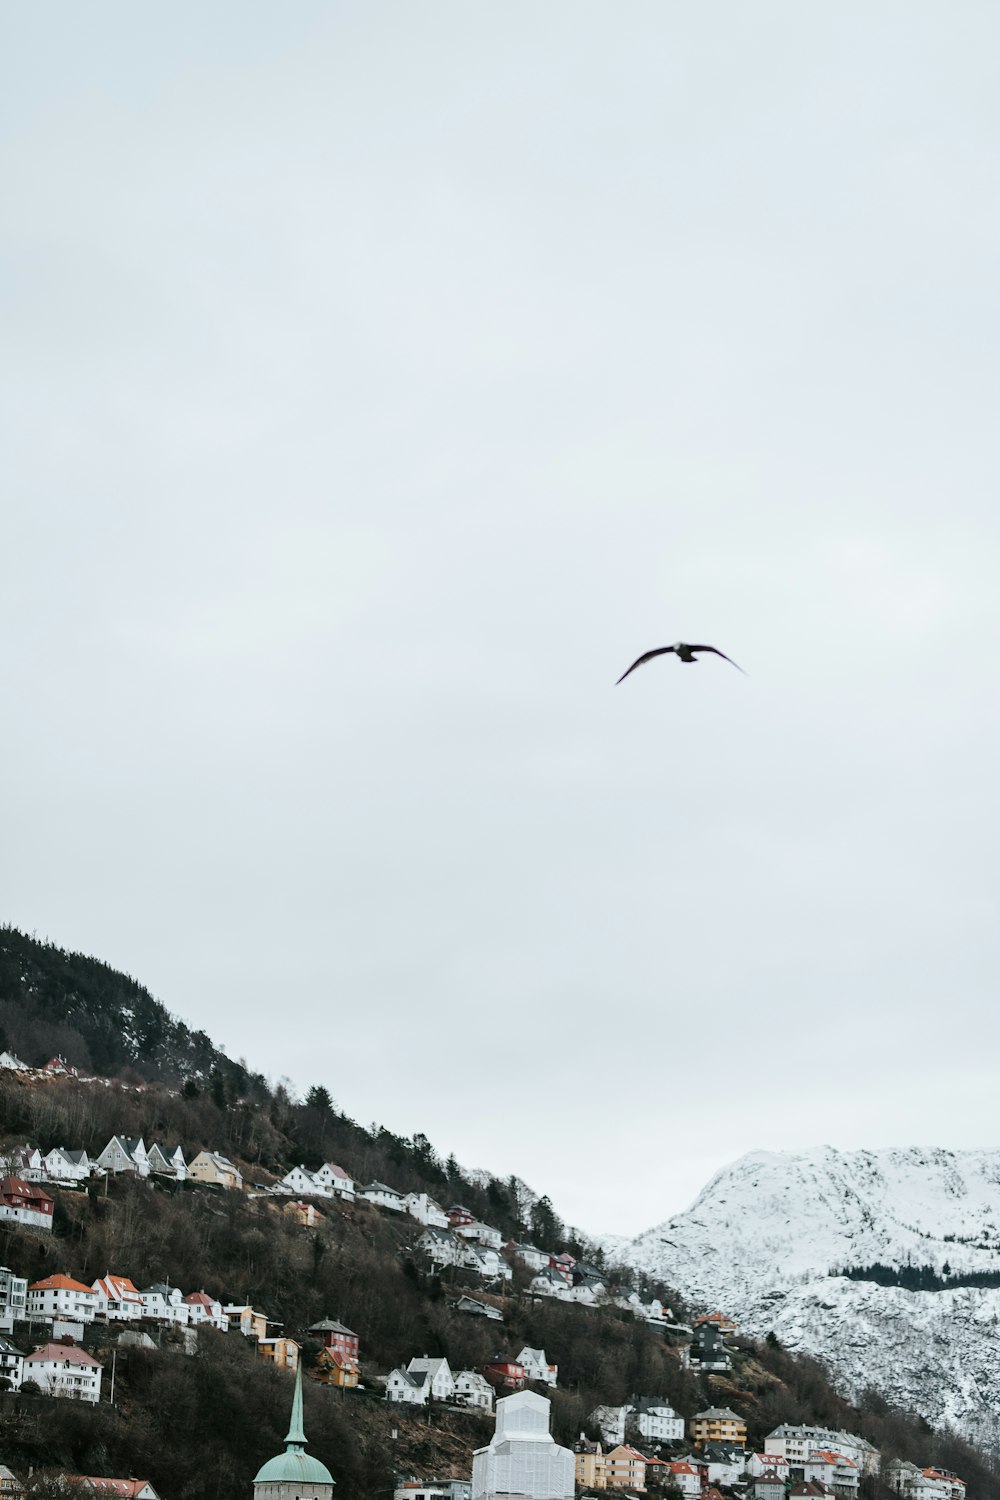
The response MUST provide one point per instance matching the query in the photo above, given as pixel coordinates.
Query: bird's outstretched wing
(647, 656)
(716, 652)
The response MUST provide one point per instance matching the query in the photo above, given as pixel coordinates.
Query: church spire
(295, 1437)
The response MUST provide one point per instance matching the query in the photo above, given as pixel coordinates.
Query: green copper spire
(295, 1436)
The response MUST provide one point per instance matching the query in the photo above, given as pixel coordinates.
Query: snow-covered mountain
(765, 1239)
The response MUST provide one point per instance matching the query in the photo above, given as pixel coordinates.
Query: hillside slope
(767, 1237)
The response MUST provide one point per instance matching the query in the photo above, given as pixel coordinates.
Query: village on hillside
(55, 1333)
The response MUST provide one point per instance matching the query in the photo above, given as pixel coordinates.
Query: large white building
(65, 1370)
(522, 1459)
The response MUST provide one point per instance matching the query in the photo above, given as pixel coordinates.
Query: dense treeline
(919, 1278)
(54, 1002)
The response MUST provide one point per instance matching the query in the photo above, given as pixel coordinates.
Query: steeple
(295, 1437)
(294, 1474)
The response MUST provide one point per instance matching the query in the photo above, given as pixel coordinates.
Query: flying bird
(683, 651)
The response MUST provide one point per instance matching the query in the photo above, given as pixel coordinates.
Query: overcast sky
(380, 379)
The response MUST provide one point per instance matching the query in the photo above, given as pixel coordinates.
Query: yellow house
(306, 1214)
(625, 1469)
(242, 1319)
(281, 1352)
(717, 1424)
(209, 1166)
(590, 1471)
(333, 1368)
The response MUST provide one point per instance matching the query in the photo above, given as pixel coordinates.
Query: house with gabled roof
(383, 1196)
(436, 1375)
(466, 1304)
(335, 1181)
(167, 1161)
(423, 1208)
(64, 1369)
(684, 1476)
(205, 1309)
(769, 1484)
(8, 1060)
(165, 1303)
(11, 1365)
(536, 1366)
(550, 1283)
(480, 1234)
(116, 1489)
(335, 1336)
(718, 1424)
(118, 1299)
(242, 1318)
(442, 1247)
(529, 1255)
(307, 1215)
(124, 1154)
(25, 1203)
(24, 1162)
(407, 1389)
(213, 1167)
(300, 1180)
(330, 1367)
(279, 1351)
(471, 1389)
(62, 1165)
(655, 1419)
(625, 1468)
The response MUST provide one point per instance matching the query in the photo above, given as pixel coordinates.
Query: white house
(683, 1475)
(124, 1154)
(406, 1388)
(8, 1060)
(117, 1299)
(61, 1165)
(481, 1234)
(522, 1459)
(25, 1202)
(60, 1296)
(533, 1258)
(550, 1283)
(166, 1304)
(301, 1180)
(587, 1290)
(335, 1180)
(205, 1309)
(65, 1370)
(436, 1376)
(167, 1161)
(473, 1389)
(423, 1208)
(11, 1366)
(795, 1443)
(656, 1420)
(442, 1247)
(24, 1162)
(536, 1366)
(611, 1422)
(13, 1298)
(486, 1262)
(759, 1464)
(383, 1196)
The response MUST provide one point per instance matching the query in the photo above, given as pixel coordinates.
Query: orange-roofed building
(684, 1477)
(117, 1298)
(61, 1297)
(722, 1322)
(205, 1309)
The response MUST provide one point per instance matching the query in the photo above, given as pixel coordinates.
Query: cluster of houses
(806, 1463)
(424, 1380)
(68, 1308)
(63, 1167)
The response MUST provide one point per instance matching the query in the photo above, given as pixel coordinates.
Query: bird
(683, 651)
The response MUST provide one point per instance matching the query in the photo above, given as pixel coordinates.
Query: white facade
(761, 1463)
(11, 1364)
(65, 1370)
(383, 1196)
(61, 1165)
(611, 1422)
(473, 1389)
(533, 1258)
(123, 1154)
(549, 1283)
(686, 1478)
(796, 1443)
(8, 1060)
(536, 1366)
(205, 1309)
(436, 1376)
(13, 1298)
(657, 1421)
(62, 1297)
(25, 1162)
(406, 1389)
(522, 1459)
(165, 1303)
(481, 1234)
(442, 1247)
(300, 1180)
(421, 1207)
(486, 1262)
(117, 1299)
(335, 1180)
(168, 1163)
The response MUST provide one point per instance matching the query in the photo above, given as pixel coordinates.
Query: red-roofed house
(25, 1202)
(505, 1374)
(336, 1337)
(205, 1309)
(306, 1214)
(954, 1486)
(65, 1370)
(61, 1297)
(333, 1368)
(118, 1299)
(685, 1477)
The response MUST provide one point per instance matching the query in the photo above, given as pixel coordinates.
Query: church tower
(294, 1475)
